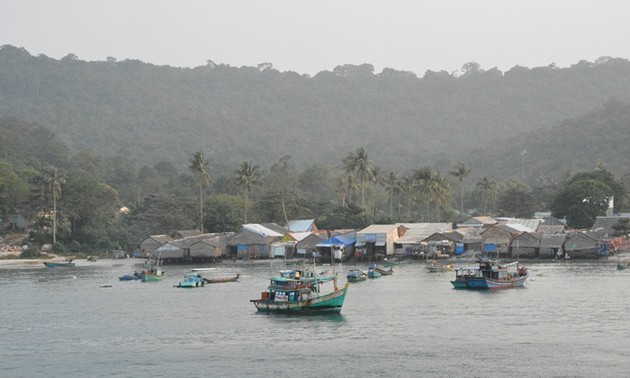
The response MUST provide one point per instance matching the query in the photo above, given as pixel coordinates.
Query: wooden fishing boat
(155, 274)
(61, 264)
(490, 275)
(301, 292)
(192, 279)
(356, 275)
(222, 279)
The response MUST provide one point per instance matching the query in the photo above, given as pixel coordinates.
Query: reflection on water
(568, 320)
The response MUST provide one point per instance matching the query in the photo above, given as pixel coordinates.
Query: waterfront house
(527, 244)
(603, 226)
(286, 246)
(581, 245)
(498, 238)
(337, 248)
(255, 240)
(551, 245)
(193, 249)
(377, 240)
(150, 244)
(414, 239)
(307, 246)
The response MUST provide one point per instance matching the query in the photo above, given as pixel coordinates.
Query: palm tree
(200, 168)
(392, 186)
(442, 194)
(488, 191)
(460, 171)
(53, 183)
(247, 177)
(423, 181)
(358, 165)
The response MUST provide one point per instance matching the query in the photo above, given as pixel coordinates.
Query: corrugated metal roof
(518, 227)
(416, 232)
(532, 224)
(377, 229)
(298, 236)
(301, 225)
(261, 230)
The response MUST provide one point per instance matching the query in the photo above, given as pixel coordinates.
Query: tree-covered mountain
(163, 113)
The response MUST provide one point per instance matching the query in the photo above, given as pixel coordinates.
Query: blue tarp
(337, 241)
(489, 247)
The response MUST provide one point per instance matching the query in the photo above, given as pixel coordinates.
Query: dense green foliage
(346, 148)
(581, 202)
(259, 114)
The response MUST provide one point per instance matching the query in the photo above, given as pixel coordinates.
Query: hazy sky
(317, 35)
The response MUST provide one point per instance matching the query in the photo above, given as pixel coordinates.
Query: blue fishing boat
(301, 292)
(490, 275)
(192, 279)
(131, 277)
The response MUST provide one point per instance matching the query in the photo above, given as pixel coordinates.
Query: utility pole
(523, 153)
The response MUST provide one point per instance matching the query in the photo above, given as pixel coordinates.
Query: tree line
(85, 201)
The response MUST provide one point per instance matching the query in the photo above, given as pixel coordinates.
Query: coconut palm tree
(200, 169)
(53, 183)
(460, 171)
(488, 192)
(247, 176)
(392, 186)
(358, 165)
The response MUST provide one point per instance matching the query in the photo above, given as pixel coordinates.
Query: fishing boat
(385, 272)
(356, 275)
(64, 264)
(131, 277)
(155, 274)
(490, 275)
(192, 279)
(222, 279)
(372, 272)
(301, 292)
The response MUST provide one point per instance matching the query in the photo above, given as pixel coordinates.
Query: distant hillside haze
(484, 117)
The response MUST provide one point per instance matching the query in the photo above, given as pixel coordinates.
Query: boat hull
(460, 284)
(385, 272)
(222, 279)
(150, 277)
(190, 284)
(329, 303)
(59, 264)
(482, 283)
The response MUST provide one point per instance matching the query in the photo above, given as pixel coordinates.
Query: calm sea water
(570, 320)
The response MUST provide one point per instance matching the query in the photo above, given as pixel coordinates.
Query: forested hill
(260, 114)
